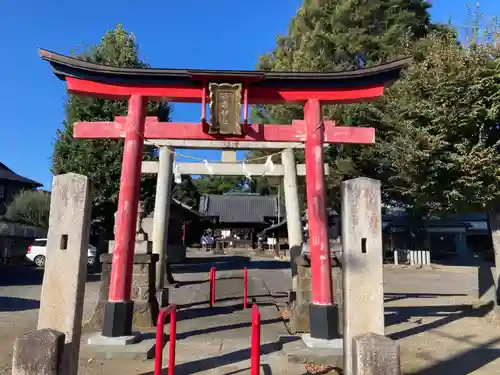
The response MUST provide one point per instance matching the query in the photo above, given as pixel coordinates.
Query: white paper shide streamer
(269, 165)
(209, 168)
(245, 171)
(177, 173)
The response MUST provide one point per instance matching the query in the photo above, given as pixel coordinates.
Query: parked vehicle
(38, 249)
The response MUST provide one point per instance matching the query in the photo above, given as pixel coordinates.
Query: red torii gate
(225, 91)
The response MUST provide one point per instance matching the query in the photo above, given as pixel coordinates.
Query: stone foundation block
(143, 292)
(299, 318)
(38, 353)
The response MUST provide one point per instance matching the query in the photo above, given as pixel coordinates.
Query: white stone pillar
(294, 224)
(362, 262)
(162, 212)
(63, 288)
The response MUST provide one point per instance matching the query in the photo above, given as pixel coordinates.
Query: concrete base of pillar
(95, 347)
(312, 342)
(298, 352)
(143, 294)
(100, 340)
(324, 321)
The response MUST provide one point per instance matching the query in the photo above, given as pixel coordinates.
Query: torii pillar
(293, 219)
(226, 99)
(324, 313)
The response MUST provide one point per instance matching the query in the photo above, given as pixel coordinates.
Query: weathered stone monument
(63, 288)
(38, 353)
(363, 289)
(375, 355)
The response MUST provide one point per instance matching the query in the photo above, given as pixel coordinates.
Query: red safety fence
(170, 309)
(212, 286)
(255, 349)
(245, 287)
(212, 279)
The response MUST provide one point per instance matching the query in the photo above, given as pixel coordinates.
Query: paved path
(216, 340)
(427, 311)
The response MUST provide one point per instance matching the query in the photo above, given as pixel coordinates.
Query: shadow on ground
(206, 331)
(28, 275)
(206, 364)
(202, 312)
(226, 263)
(13, 304)
(462, 363)
(448, 313)
(390, 297)
(229, 299)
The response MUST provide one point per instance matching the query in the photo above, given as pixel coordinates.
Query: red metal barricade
(212, 278)
(245, 287)
(170, 309)
(212, 286)
(255, 350)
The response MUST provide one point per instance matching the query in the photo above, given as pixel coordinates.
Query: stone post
(294, 224)
(63, 288)
(494, 226)
(375, 355)
(39, 353)
(162, 219)
(363, 290)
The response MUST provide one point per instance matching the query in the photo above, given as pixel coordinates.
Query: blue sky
(215, 34)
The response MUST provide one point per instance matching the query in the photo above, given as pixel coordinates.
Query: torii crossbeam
(154, 129)
(228, 93)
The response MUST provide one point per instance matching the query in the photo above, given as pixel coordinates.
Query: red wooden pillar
(119, 309)
(324, 322)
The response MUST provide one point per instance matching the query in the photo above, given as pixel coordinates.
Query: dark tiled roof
(240, 208)
(179, 204)
(471, 216)
(8, 174)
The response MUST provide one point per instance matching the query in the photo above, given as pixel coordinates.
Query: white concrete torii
(228, 167)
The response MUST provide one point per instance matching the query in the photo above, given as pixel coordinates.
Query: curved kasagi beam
(187, 85)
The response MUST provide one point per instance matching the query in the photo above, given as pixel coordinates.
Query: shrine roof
(65, 66)
(8, 174)
(240, 208)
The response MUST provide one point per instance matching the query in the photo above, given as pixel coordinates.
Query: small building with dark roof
(11, 184)
(183, 228)
(240, 216)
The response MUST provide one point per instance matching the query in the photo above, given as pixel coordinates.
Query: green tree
(220, 184)
(101, 159)
(187, 192)
(440, 149)
(333, 35)
(31, 207)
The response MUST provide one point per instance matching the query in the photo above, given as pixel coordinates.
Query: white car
(38, 249)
